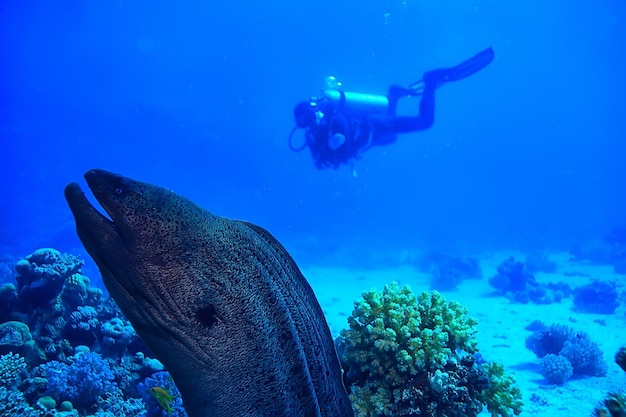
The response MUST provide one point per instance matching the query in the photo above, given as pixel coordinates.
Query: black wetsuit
(355, 130)
(362, 130)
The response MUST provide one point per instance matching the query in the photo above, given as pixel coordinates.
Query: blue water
(528, 154)
(198, 97)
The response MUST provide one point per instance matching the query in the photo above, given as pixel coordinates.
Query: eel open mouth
(94, 229)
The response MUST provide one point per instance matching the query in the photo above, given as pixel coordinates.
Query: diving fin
(470, 66)
(464, 69)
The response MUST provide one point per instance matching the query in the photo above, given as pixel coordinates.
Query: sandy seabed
(501, 332)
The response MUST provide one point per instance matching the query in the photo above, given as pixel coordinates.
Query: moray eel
(220, 302)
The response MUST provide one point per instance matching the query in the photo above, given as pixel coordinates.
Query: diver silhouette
(340, 125)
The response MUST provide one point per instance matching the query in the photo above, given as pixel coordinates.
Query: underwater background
(525, 157)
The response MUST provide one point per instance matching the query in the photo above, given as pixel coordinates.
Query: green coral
(405, 354)
(502, 397)
(395, 330)
(74, 290)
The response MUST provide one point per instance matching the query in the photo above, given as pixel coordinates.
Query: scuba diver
(340, 125)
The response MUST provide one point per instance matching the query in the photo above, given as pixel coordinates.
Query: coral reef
(82, 382)
(548, 339)
(67, 351)
(565, 352)
(154, 408)
(414, 355)
(15, 337)
(11, 367)
(598, 297)
(516, 281)
(535, 325)
(447, 271)
(501, 396)
(556, 369)
(512, 277)
(12, 401)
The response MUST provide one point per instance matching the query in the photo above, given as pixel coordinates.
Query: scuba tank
(356, 102)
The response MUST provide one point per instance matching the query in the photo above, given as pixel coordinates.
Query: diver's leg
(385, 128)
(426, 116)
(394, 93)
(427, 106)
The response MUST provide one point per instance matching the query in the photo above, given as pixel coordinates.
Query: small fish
(163, 398)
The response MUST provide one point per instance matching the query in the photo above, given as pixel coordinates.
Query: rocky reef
(516, 281)
(65, 350)
(564, 352)
(409, 355)
(447, 271)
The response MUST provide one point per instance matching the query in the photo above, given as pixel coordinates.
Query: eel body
(220, 302)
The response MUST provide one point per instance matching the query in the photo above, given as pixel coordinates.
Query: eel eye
(119, 190)
(207, 316)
